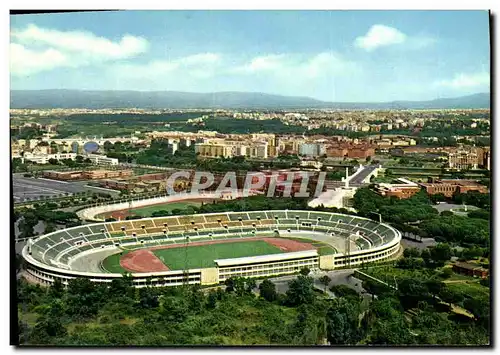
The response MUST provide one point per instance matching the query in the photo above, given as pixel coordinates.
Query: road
(457, 208)
(359, 177)
(338, 277)
(425, 243)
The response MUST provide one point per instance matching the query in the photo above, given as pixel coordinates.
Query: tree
(343, 291)
(300, 291)
(49, 227)
(84, 297)
(411, 253)
(196, 299)
(448, 296)
(305, 271)
(46, 328)
(174, 309)
(212, 300)
(250, 285)
(446, 273)
(411, 291)
(480, 308)
(434, 287)
(308, 328)
(325, 280)
(342, 321)
(56, 290)
(447, 213)
(441, 253)
(268, 290)
(426, 256)
(148, 298)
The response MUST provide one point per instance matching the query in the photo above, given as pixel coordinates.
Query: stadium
(209, 248)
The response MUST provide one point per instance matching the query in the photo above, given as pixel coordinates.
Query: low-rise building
(469, 269)
(448, 187)
(106, 174)
(404, 189)
(44, 158)
(62, 175)
(101, 159)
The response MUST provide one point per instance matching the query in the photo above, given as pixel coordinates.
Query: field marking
(60, 182)
(35, 187)
(100, 188)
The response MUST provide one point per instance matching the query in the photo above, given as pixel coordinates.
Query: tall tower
(347, 177)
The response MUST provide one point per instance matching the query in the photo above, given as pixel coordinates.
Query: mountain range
(231, 100)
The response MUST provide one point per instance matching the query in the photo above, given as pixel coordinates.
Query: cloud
(466, 81)
(285, 73)
(201, 65)
(24, 61)
(379, 36)
(418, 42)
(297, 66)
(262, 64)
(67, 49)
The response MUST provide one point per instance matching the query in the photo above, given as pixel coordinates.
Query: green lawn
(326, 250)
(472, 289)
(203, 256)
(112, 264)
(200, 256)
(387, 273)
(146, 211)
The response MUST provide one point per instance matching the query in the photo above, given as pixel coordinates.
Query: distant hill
(236, 100)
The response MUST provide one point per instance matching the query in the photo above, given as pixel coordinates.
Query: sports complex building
(209, 248)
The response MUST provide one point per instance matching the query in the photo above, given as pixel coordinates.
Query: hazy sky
(328, 55)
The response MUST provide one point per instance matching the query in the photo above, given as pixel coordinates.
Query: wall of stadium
(91, 213)
(45, 271)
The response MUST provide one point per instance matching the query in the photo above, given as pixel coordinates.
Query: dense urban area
(425, 173)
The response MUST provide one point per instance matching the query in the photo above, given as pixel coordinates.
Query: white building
(101, 159)
(44, 158)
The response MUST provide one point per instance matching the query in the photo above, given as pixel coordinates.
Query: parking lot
(25, 188)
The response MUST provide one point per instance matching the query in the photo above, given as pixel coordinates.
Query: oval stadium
(209, 248)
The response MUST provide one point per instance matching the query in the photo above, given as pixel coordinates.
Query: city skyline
(327, 55)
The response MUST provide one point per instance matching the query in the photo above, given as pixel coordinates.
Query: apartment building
(312, 149)
(463, 160)
(228, 149)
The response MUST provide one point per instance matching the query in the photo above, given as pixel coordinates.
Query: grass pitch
(203, 256)
(200, 256)
(112, 264)
(147, 211)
